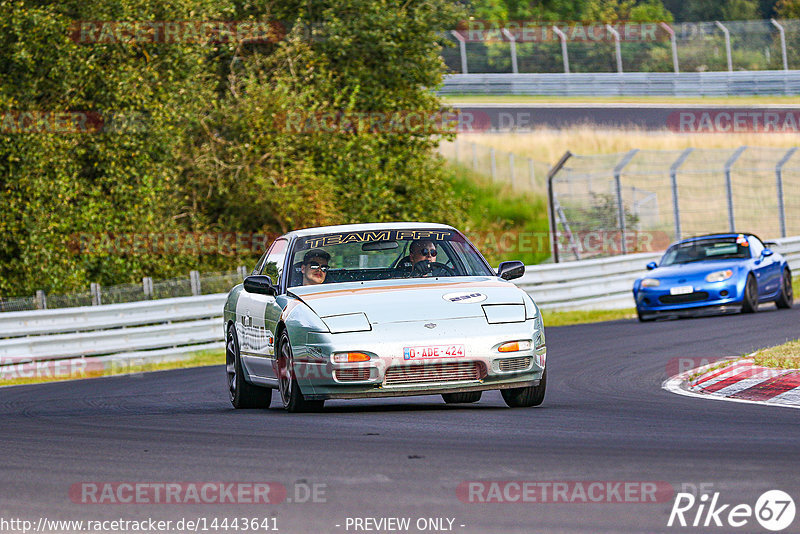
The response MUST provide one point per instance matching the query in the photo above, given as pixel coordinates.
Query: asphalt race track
(605, 418)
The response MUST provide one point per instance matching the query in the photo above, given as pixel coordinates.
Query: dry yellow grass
(548, 145)
(786, 356)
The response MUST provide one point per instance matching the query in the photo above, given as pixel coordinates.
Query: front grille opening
(515, 364)
(437, 372)
(697, 296)
(352, 375)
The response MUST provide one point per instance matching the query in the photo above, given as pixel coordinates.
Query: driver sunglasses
(428, 252)
(314, 265)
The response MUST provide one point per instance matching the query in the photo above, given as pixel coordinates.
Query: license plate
(681, 290)
(433, 351)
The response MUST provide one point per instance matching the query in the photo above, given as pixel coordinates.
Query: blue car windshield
(721, 248)
(382, 255)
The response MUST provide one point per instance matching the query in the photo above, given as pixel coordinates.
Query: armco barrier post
(96, 292)
(673, 178)
(673, 43)
(493, 166)
(727, 44)
(41, 300)
(564, 55)
(783, 44)
(194, 282)
(551, 211)
(618, 186)
(779, 187)
(147, 287)
(513, 46)
(729, 185)
(462, 48)
(242, 270)
(617, 48)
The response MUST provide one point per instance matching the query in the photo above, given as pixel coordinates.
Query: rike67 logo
(774, 510)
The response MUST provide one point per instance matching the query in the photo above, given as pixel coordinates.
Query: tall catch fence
(645, 199)
(538, 47)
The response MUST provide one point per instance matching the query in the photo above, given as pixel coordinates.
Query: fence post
(41, 300)
(513, 45)
(563, 39)
(462, 48)
(617, 48)
(551, 211)
(96, 291)
(493, 164)
(242, 271)
(194, 280)
(779, 185)
(729, 185)
(474, 157)
(783, 43)
(727, 44)
(618, 186)
(531, 174)
(673, 43)
(147, 287)
(673, 178)
(511, 169)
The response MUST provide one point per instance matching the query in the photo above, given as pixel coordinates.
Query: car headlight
(515, 346)
(650, 282)
(719, 276)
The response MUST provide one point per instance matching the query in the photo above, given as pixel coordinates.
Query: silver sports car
(381, 310)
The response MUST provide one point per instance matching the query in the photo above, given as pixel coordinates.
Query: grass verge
(786, 356)
(663, 100)
(565, 318)
(9, 377)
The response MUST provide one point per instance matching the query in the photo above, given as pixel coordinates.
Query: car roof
(712, 236)
(366, 227)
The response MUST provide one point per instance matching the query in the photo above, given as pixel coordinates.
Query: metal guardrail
(737, 83)
(193, 323)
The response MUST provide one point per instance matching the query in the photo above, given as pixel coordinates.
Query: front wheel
(292, 397)
(462, 398)
(526, 397)
(786, 297)
(750, 300)
(242, 394)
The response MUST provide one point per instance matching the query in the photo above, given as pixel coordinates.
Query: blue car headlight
(650, 282)
(719, 276)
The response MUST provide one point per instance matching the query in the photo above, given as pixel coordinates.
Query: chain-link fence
(195, 284)
(644, 199)
(518, 172)
(528, 47)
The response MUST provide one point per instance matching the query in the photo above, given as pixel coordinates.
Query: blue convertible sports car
(719, 272)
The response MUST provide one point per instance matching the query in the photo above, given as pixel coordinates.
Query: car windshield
(382, 255)
(721, 248)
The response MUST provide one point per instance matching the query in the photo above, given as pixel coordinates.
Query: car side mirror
(509, 270)
(652, 265)
(767, 253)
(261, 284)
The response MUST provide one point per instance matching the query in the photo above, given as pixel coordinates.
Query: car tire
(292, 397)
(462, 398)
(786, 296)
(242, 394)
(750, 299)
(526, 397)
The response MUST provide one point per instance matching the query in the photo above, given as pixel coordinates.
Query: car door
(767, 270)
(257, 316)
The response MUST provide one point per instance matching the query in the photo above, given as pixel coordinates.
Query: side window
(273, 263)
(756, 246)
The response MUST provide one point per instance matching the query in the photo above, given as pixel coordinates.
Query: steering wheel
(434, 268)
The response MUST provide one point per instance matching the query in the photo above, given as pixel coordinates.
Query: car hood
(696, 268)
(388, 301)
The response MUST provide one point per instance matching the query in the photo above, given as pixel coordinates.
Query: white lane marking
(674, 385)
